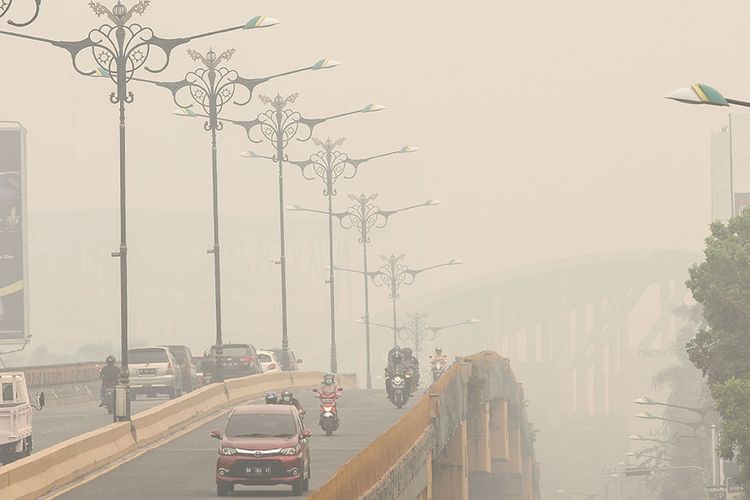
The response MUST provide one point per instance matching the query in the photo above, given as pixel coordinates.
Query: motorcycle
(411, 381)
(329, 415)
(399, 390)
(438, 369)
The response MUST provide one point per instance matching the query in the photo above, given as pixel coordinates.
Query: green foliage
(721, 349)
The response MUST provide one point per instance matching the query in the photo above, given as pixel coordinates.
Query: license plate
(258, 471)
(147, 371)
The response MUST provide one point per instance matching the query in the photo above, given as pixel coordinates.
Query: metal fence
(52, 375)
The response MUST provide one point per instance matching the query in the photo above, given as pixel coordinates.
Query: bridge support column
(498, 426)
(480, 455)
(450, 471)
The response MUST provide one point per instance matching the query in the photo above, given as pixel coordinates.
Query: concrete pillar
(480, 454)
(451, 473)
(527, 477)
(427, 492)
(513, 463)
(498, 424)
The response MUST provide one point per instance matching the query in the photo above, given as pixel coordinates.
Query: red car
(263, 445)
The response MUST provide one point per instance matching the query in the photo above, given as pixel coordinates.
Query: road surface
(184, 467)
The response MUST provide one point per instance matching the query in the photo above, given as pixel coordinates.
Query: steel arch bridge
(587, 323)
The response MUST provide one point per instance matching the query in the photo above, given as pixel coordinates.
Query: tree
(721, 349)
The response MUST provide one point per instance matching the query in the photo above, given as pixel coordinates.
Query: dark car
(263, 445)
(185, 361)
(293, 360)
(238, 360)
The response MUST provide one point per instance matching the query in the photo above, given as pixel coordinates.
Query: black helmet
(110, 360)
(397, 354)
(407, 351)
(438, 350)
(271, 398)
(286, 396)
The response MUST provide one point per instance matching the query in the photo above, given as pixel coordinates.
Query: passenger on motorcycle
(272, 398)
(438, 357)
(410, 361)
(109, 375)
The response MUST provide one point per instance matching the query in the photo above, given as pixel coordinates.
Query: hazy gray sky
(541, 125)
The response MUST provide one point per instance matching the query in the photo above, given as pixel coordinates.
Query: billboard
(13, 310)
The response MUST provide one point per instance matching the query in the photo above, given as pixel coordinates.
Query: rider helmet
(438, 350)
(407, 351)
(328, 378)
(110, 360)
(286, 397)
(271, 398)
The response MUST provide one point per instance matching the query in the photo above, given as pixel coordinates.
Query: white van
(15, 417)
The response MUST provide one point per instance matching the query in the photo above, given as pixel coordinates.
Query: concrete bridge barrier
(468, 437)
(58, 465)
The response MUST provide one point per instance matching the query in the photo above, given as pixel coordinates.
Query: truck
(16, 407)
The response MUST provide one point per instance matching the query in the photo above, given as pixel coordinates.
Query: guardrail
(51, 375)
(54, 467)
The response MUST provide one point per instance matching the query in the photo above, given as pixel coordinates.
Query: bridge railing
(51, 375)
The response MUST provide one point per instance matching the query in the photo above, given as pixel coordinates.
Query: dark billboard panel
(12, 236)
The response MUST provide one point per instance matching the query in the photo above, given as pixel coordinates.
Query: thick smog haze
(574, 194)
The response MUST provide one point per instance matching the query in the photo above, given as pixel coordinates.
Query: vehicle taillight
(169, 368)
(272, 366)
(247, 359)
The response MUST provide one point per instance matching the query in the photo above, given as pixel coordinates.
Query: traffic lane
(185, 467)
(56, 424)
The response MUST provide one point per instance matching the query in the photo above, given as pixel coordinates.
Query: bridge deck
(184, 467)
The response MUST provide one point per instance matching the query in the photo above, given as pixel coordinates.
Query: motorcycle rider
(272, 398)
(109, 375)
(410, 361)
(438, 357)
(395, 365)
(328, 387)
(287, 398)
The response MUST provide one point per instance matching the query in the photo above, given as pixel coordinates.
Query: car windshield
(264, 358)
(260, 425)
(232, 350)
(142, 356)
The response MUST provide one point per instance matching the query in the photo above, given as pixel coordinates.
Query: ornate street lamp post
(278, 125)
(119, 49)
(211, 87)
(365, 215)
(5, 6)
(418, 330)
(393, 274)
(329, 165)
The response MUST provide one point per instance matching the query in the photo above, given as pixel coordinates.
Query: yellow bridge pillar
(498, 427)
(451, 471)
(480, 454)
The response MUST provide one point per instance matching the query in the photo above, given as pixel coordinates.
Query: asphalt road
(184, 467)
(56, 424)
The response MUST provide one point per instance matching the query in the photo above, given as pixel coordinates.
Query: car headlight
(226, 450)
(291, 451)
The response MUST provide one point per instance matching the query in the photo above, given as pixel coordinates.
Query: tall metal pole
(365, 276)
(123, 253)
(334, 362)
(216, 251)
(395, 326)
(282, 258)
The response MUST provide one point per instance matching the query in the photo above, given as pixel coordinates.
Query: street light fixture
(119, 49)
(5, 8)
(211, 87)
(278, 125)
(329, 165)
(417, 330)
(700, 93)
(364, 215)
(646, 401)
(650, 416)
(392, 274)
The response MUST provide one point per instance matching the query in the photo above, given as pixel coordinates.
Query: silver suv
(153, 371)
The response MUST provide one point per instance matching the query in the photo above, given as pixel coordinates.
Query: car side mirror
(306, 433)
(205, 353)
(315, 390)
(40, 401)
(340, 389)
(299, 361)
(215, 434)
